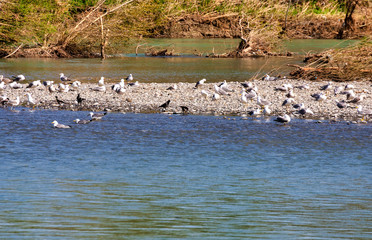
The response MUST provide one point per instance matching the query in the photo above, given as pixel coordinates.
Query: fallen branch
(14, 51)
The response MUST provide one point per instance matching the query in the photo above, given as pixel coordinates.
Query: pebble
(147, 98)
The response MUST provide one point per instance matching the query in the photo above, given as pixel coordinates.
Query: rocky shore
(148, 97)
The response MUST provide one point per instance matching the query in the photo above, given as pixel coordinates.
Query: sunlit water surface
(155, 176)
(185, 68)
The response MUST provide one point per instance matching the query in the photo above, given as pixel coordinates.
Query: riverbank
(147, 97)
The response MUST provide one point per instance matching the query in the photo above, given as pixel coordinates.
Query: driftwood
(14, 51)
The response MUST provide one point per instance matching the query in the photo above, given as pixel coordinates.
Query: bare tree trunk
(286, 15)
(349, 21)
(103, 40)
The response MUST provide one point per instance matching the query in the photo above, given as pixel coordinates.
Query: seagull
(48, 83)
(298, 106)
(349, 94)
(216, 96)
(247, 85)
(18, 78)
(301, 87)
(120, 90)
(64, 78)
(200, 82)
(75, 85)
(268, 78)
(63, 88)
(304, 111)
(287, 102)
(122, 83)
(243, 97)
(15, 85)
(34, 84)
(78, 121)
(267, 110)
(262, 102)
(52, 88)
(13, 103)
(30, 100)
(174, 87)
(97, 116)
(357, 99)
(363, 112)
(219, 90)
(165, 105)
(2, 86)
(326, 87)
(59, 101)
(255, 112)
(290, 94)
(99, 89)
(58, 125)
(184, 109)
(341, 104)
(3, 100)
(79, 99)
(251, 95)
(337, 90)
(224, 86)
(349, 86)
(283, 119)
(284, 88)
(205, 93)
(135, 84)
(319, 96)
(101, 82)
(129, 78)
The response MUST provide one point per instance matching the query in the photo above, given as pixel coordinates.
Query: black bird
(79, 99)
(59, 101)
(165, 105)
(184, 109)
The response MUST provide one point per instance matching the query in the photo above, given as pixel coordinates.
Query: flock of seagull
(249, 92)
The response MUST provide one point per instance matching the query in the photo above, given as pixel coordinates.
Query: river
(156, 176)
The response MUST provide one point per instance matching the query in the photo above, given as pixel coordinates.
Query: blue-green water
(186, 68)
(155, 176)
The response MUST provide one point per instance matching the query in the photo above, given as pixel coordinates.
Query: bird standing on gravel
(200, 82)
(165, 105)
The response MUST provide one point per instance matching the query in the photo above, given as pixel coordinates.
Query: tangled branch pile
(348, 64)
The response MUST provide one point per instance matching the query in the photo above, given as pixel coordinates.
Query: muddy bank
(147, 97)
(227, 26)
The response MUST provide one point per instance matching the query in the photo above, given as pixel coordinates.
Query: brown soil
(227, 26)
(197, 26)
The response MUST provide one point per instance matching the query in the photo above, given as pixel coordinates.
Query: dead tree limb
(87, 21)
(14, 51)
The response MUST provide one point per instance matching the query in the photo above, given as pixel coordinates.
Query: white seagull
(101, 82)
(18, 78)
(64, 78)
(97, 116)
(283, 119)
(200, 82)
(14, 103)
(30, 100)
(129, 78)
(58, 125)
